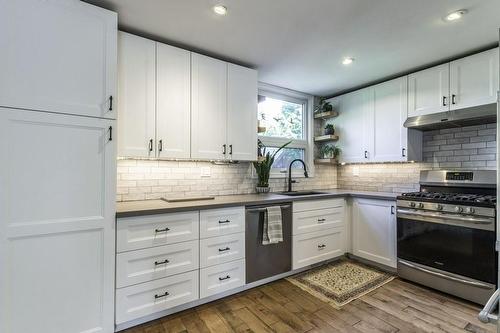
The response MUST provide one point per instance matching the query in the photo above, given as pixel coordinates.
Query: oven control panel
(447, 208)
(460, 176)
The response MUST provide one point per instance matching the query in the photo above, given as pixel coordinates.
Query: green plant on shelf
(329, 151)
(324, 106)
(329, 129)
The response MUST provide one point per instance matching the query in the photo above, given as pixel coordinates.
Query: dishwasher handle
(262, 210)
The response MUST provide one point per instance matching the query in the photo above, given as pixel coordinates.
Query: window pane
(285, 156)
(282, 119)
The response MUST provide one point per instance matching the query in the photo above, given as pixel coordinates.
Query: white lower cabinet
(318, 246)
(224, 221)
(141, 232)
(219, 250)
(318, 231)
(374, 230)
(223, 277)
(147, 298)
(157, 262)
(167, 260)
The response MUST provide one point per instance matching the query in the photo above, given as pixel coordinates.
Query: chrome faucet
(290, 181)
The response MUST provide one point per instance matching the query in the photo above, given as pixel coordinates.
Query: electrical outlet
(355, 171)
(205, 172)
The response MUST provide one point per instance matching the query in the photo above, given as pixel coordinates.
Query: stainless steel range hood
(464, 117)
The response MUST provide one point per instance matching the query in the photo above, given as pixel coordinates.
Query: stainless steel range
(446, 233)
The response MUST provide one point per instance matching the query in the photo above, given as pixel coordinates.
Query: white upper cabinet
(389, 113)
(209, 107)
(374, 230)
(352, 126)
(58, 56)
(474, 80)
(241, 113)
(136, 93)
(57, 237)
(173, 101)
(428, 91)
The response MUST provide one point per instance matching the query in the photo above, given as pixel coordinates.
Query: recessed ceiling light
(347, 61)
(220, 10)
(456, 15)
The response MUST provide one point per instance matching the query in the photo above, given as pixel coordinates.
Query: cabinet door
(57, 237)
(59, 56)
(389, 112)
(474, 80)
(428, 91)
(241, 113)
(208, 102)
(136, 92)
(352, 126)
(173, 101)
(374, 230)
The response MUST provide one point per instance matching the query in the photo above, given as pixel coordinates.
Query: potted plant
(329, 151)
(329, 129)
(324, 106)
(263, 166)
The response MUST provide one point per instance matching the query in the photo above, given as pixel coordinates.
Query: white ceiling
(299, 44)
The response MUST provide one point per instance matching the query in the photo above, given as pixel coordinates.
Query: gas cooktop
(452, 198)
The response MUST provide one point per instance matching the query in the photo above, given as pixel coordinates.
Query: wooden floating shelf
(326, 115)
(325, 161)
(323, 138)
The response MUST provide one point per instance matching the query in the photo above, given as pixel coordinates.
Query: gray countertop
(150, 207)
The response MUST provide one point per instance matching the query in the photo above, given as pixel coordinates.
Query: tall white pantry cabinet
(58, 166)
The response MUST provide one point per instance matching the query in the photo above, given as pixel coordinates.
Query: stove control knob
(439, 207)
(470, 210)
(420, 205)
(412, 204)
(459, 209)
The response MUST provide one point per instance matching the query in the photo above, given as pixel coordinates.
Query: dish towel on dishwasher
(272, 232)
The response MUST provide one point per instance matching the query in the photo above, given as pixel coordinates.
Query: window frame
(306, 142)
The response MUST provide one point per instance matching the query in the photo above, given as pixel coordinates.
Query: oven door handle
(444, 276)
(476, 220)
(486, 315)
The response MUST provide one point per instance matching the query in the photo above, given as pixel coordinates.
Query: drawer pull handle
(224, 278)
(157, 263)
(224, 250)
(322, 246)
(162, 230)
(225, 221)
(321, 220)
(162, 295)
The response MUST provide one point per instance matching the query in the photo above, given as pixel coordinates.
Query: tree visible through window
(284, 120)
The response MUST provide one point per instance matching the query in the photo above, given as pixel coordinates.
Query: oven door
(453, 243)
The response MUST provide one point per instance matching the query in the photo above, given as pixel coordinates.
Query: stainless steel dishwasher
(263, 261)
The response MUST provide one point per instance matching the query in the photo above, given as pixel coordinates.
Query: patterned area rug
(341, 282)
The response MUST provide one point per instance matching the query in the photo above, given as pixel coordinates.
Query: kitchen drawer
(305, 205)
(218, 250)
(142, 232)
(139, 266)
(223, 277)
(147, 298)
(315, 220)
(317, 246)
(219, 222)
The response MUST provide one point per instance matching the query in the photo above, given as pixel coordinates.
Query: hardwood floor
(398, 306)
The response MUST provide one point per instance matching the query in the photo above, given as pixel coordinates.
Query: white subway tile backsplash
(472, 147)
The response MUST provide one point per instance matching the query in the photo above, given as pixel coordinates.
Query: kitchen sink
(299, 193)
